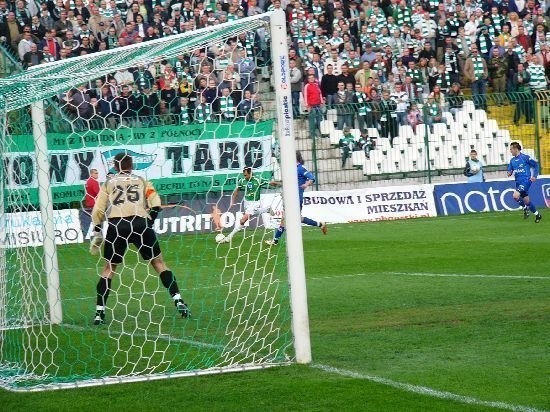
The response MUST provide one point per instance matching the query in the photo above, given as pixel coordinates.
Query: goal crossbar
(42, 81)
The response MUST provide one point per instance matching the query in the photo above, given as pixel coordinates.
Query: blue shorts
(523, 186)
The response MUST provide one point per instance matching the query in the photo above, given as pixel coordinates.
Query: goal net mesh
(192, 143)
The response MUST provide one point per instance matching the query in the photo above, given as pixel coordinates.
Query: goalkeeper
(130, 204)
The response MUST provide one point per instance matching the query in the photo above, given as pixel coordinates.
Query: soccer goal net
(192, 110)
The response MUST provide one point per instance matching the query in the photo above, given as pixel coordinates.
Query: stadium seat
(394, 154)
(457, 132)
(371, 167)
(357, 158)
(390, 166)
(496, 156)
(463, 119)
(335, 137)
(327, 127)
(383, 143)
(377, 155)
(373, 132)
(356, 133)
(490, 127)
(474, 131)
(407, 132)
(448, 116)
(440, 131)
(332, 116)
(479, 116)
(468, 106)
(443, 162)
(400, 142)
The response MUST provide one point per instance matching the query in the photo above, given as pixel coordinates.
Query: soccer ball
(219, 237)
(474, 169)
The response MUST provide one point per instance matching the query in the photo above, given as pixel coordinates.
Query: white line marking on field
(423, 390)
(148, 336)
(420, 274)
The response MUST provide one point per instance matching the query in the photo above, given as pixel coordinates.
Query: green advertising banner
(177, 159)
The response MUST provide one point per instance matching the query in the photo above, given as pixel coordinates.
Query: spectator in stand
(388, 117)
(364, 74)
(369, 55)
(247, 71)
(360, 106)
(497, 68)
(544, 58)
(314, 100)
(346, 144)
(366, 143)
(475, 72)
(329, 86)
(33, 57)
(455, 97)
(295, 88)
(24, 45)
(402, 103)
(343, 100)
(433, 111)
(51, 43)
(524, 98)
(414, 116)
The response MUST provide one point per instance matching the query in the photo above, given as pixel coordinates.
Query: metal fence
(432, 143)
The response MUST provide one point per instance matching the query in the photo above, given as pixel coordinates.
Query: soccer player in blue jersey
(525, 170)
(305, 179)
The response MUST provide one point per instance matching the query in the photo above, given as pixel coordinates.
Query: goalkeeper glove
(96, 242)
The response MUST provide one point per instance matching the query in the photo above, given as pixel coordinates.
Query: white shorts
(252, 207)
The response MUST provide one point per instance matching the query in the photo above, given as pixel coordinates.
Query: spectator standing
(343, 100)
(475, 71)
(523, 96)
(388, 117)
(498, 67)
(313, 99)
(295, 88)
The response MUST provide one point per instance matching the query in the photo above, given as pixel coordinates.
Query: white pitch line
(423, 390)
(421, 274)
(149, 336)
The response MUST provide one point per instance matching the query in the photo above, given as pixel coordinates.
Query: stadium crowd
(373, 61)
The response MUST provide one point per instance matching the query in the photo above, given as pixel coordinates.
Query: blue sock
(278, 233)
(532, 207)
(521, 203)
(310, 222)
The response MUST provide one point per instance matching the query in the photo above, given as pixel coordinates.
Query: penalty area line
(423, 390)
(441, 275)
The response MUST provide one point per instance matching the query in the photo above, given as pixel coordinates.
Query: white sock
(177, 296)
(237, 227)
(100, 308)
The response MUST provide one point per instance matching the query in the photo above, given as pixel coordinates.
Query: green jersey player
(252, 187)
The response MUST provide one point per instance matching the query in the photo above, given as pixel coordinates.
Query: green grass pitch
(441, 314)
